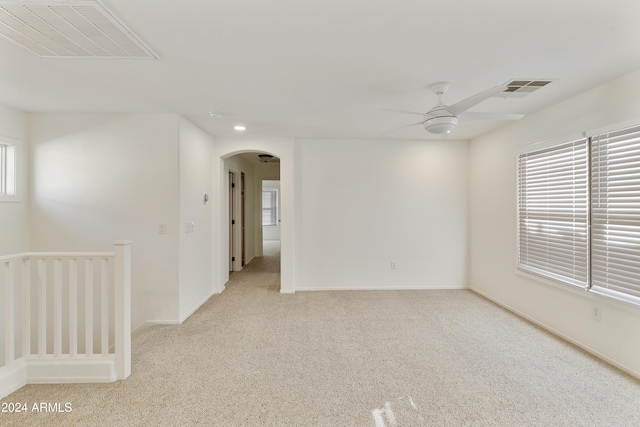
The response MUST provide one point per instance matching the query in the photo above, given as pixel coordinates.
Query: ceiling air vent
(69, 29)
(522, 87)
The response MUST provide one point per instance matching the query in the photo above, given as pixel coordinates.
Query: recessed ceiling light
(239, 128)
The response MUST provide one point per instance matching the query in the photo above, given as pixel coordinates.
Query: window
(270, 206)
(579, 213)
(7, 169)
(615, 214)
(553, 212)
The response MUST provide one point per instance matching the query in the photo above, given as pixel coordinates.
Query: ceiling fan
(442, 119)
(268, 158)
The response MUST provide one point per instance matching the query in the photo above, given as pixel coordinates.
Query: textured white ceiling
(330, 68)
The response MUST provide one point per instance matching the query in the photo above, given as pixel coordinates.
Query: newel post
(122, 284)
(9, 331)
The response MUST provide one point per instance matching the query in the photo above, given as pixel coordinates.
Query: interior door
(242, 215)
(231, 218)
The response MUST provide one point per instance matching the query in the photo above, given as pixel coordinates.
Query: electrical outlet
(393, 265)
(596, 312)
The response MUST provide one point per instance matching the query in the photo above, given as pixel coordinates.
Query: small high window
(7, 169)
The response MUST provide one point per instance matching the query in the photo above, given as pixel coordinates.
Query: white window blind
(615, 200)
(269, 206)
(553, 212)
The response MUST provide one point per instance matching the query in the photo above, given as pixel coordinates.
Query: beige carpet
(254, 357)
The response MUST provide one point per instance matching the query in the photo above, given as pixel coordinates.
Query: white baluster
(42, 312)
(57, 307)
(88, 307)
(73, 307)
(8, 314)
(104, 311)
(26, 307)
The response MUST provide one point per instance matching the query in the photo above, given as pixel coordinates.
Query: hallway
(261, 274)
(268, 263)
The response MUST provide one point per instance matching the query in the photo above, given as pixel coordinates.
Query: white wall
(196, 245)
(14, 215)
(493, 245)
(103, 177)
(366, 203)
(14, 233)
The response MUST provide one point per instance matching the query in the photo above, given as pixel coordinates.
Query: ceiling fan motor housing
(440, 125)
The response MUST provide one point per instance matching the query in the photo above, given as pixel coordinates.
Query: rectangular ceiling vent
(69, 29)
(522, 87)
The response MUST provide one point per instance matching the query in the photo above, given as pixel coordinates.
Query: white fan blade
(471, 115)
(397, 129)
(462, 106)
(393, 110)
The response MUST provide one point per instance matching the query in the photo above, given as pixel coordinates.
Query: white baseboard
(48, 370)
(148, 323)
(385, 288)
(12, 378)
(560, 334)
(287, 291)
(197, 307)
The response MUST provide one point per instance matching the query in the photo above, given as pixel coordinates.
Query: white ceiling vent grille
(69, 29)
(522, 87)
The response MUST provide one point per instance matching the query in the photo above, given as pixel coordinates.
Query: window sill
(10, 199)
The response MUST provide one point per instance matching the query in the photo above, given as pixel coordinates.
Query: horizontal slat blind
(615, 199)
(269, 203)
(553, 212)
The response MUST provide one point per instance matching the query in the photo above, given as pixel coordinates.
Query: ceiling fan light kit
(268, 158)
(441, 125)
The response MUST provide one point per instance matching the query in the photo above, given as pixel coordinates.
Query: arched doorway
(283, 150)
(254, 206)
